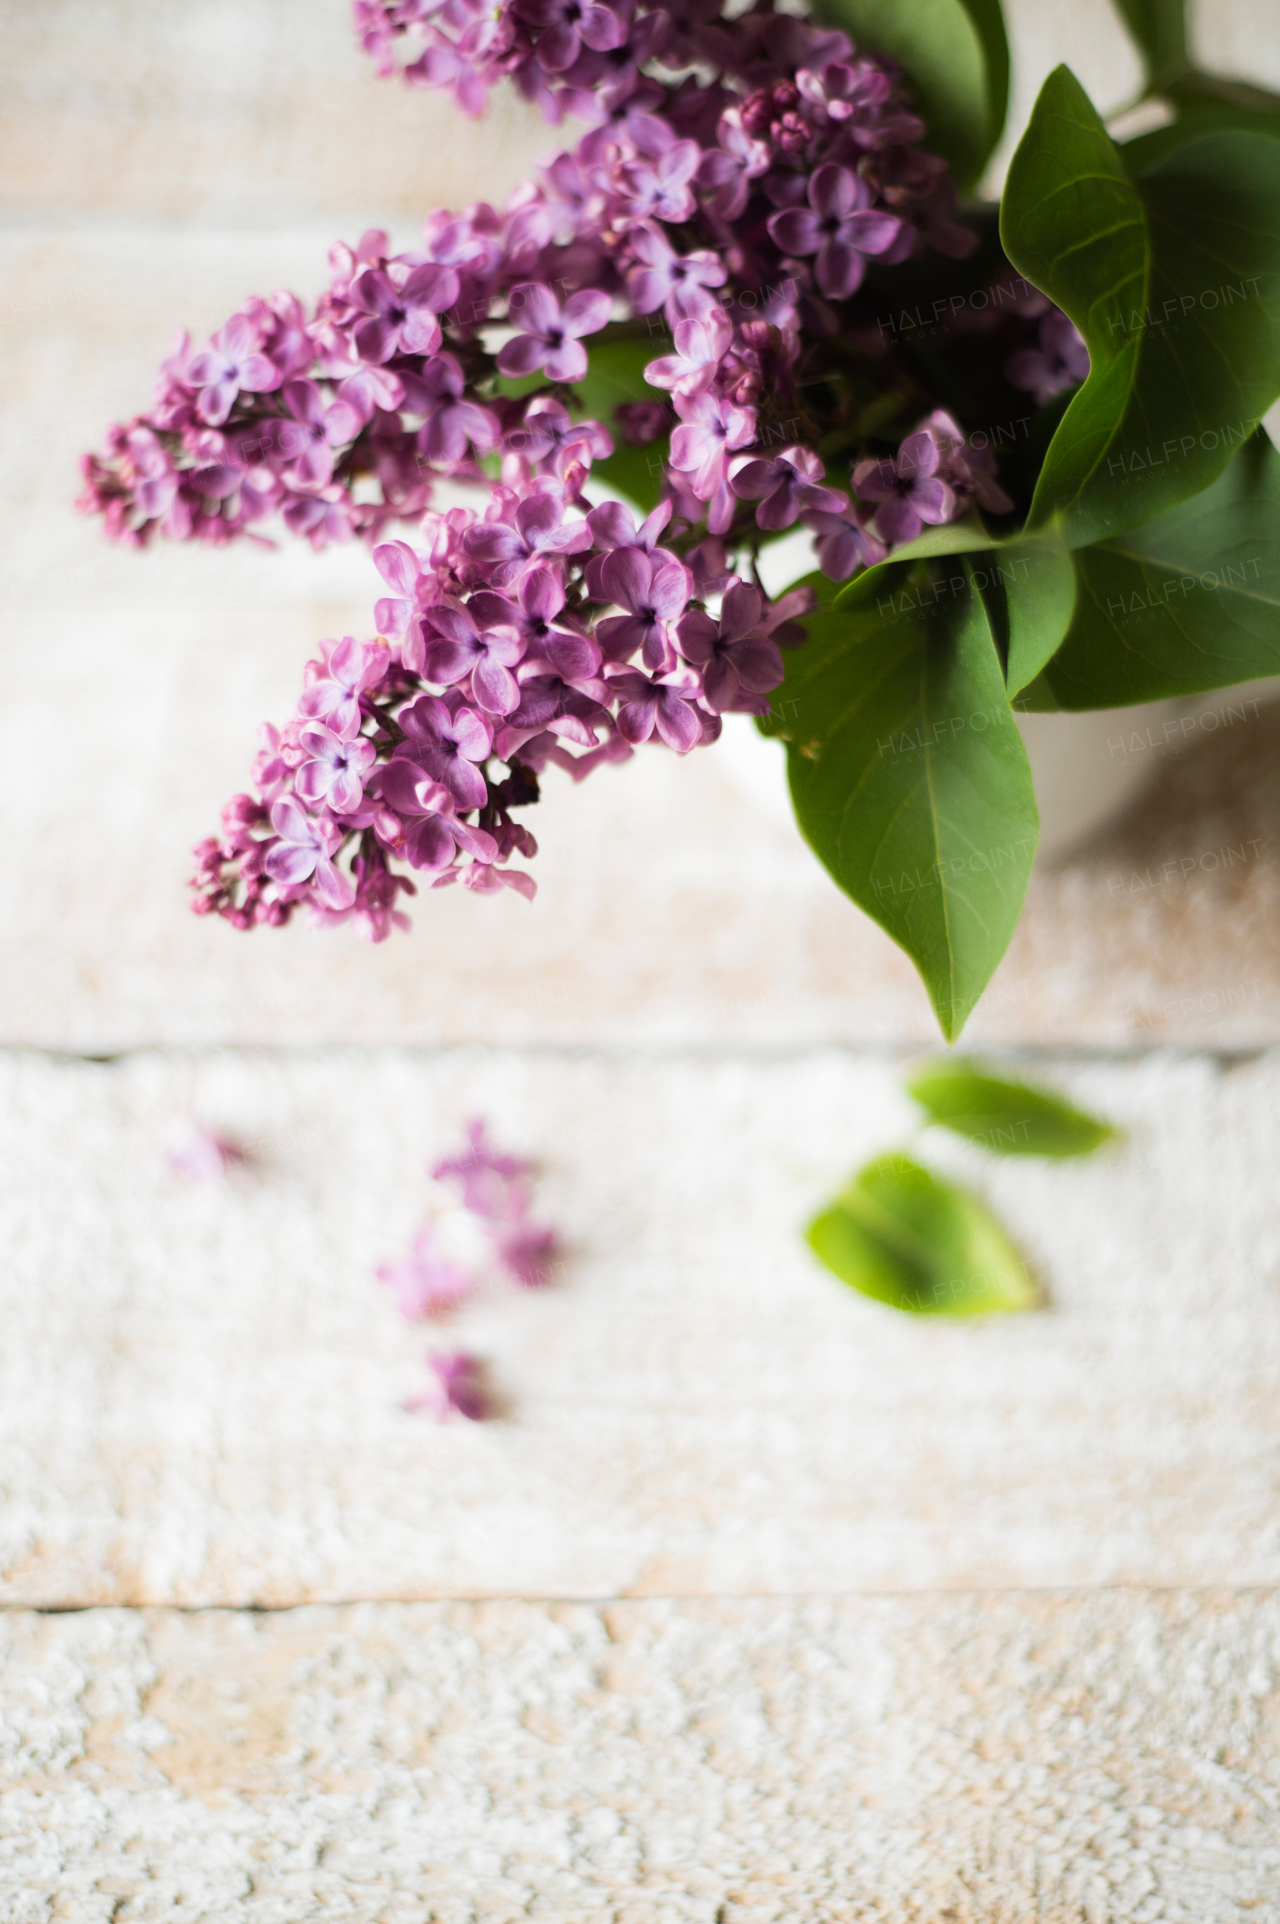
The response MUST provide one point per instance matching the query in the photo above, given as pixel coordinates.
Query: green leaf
(956, 59)
(615, 374)
(1173, 280)
(1188, 603)
(1207, 117)
(1159, 27)
(1027, 585)
(908, 775)
(1007, 1117)
(910, 1239)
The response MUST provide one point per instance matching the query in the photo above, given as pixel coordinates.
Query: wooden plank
(200, 1385)
(978, 1760)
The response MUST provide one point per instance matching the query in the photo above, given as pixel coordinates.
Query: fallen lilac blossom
(426, 1282)
(454, 1386)
(206, 1155)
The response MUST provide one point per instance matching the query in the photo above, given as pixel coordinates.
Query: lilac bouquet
(749, 300)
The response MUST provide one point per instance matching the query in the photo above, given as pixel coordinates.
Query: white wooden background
(758, 1601)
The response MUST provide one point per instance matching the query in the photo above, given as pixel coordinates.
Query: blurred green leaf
(956, 59)
(1160, 29)
(913, 1240)
(615, 374)
(1009, 1118)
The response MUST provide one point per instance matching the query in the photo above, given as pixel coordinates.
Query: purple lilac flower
(492, 1183)
(843, 544)
(655, 594)
(426, 1282)
(537, 528)
(786, 487)
(1060, 361)
(315, 430)
(664, 707)
(433, 834)
(304, 852)
(710, 430)
(568, 26)
(738, 663)
(839, 226)
(528, 1251)
(334, 769)
(230, 363)
(549, 335)
(700, 348)
(348, 668)
(450, 421)
(908, 489)
(448, 741)
(664, 278)
(457, 647)
(455, 1385)
(402, 319)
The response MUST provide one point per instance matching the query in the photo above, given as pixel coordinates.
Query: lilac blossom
(568, 26)
(710, 430)
(337, 682)
(426, 1282)
(492, 1183)
(450, 421)
(655, 593)
(1060, 361)
(405, 318)
(537, 528)
(664, 707)
(700, 348)
(304, 852)
(334, 768)
(433, 833)
(455, 1385)
(839, 226)
(549, 335)
(786, 487)
(528, 1252)
(448, 740)
(738, 663)
(316, 429)
(457, 648)
(230, 363)
(663, 278)
(907, 488)
(843, 544)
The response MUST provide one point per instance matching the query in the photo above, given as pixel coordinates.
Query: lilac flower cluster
(443, 1269)
(737, 178)
(495, 658)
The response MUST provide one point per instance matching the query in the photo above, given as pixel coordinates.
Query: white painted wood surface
(199, 1387)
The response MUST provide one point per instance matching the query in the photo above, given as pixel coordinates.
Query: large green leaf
(1008, 1118)
(1027, 585)
(908, 775)
(908, 1238)
(1174, 281)
(1188, 603)
(956, 59)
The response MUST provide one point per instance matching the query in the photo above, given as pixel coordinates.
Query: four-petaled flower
(664, 278)
(1059, 362)
(448, 742)
(539, 528)
(548, 337)
(710, 430)
(839, 226)
(428, 817)
(655, 592)
(349, 668)
(335, 768)
(664, 707)
(457, 646)
(785, 487)
(738, 663)
(568, 25)
(402, 319)
(449, 422)
(229, 363)
(303, 853)
(907, 488)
